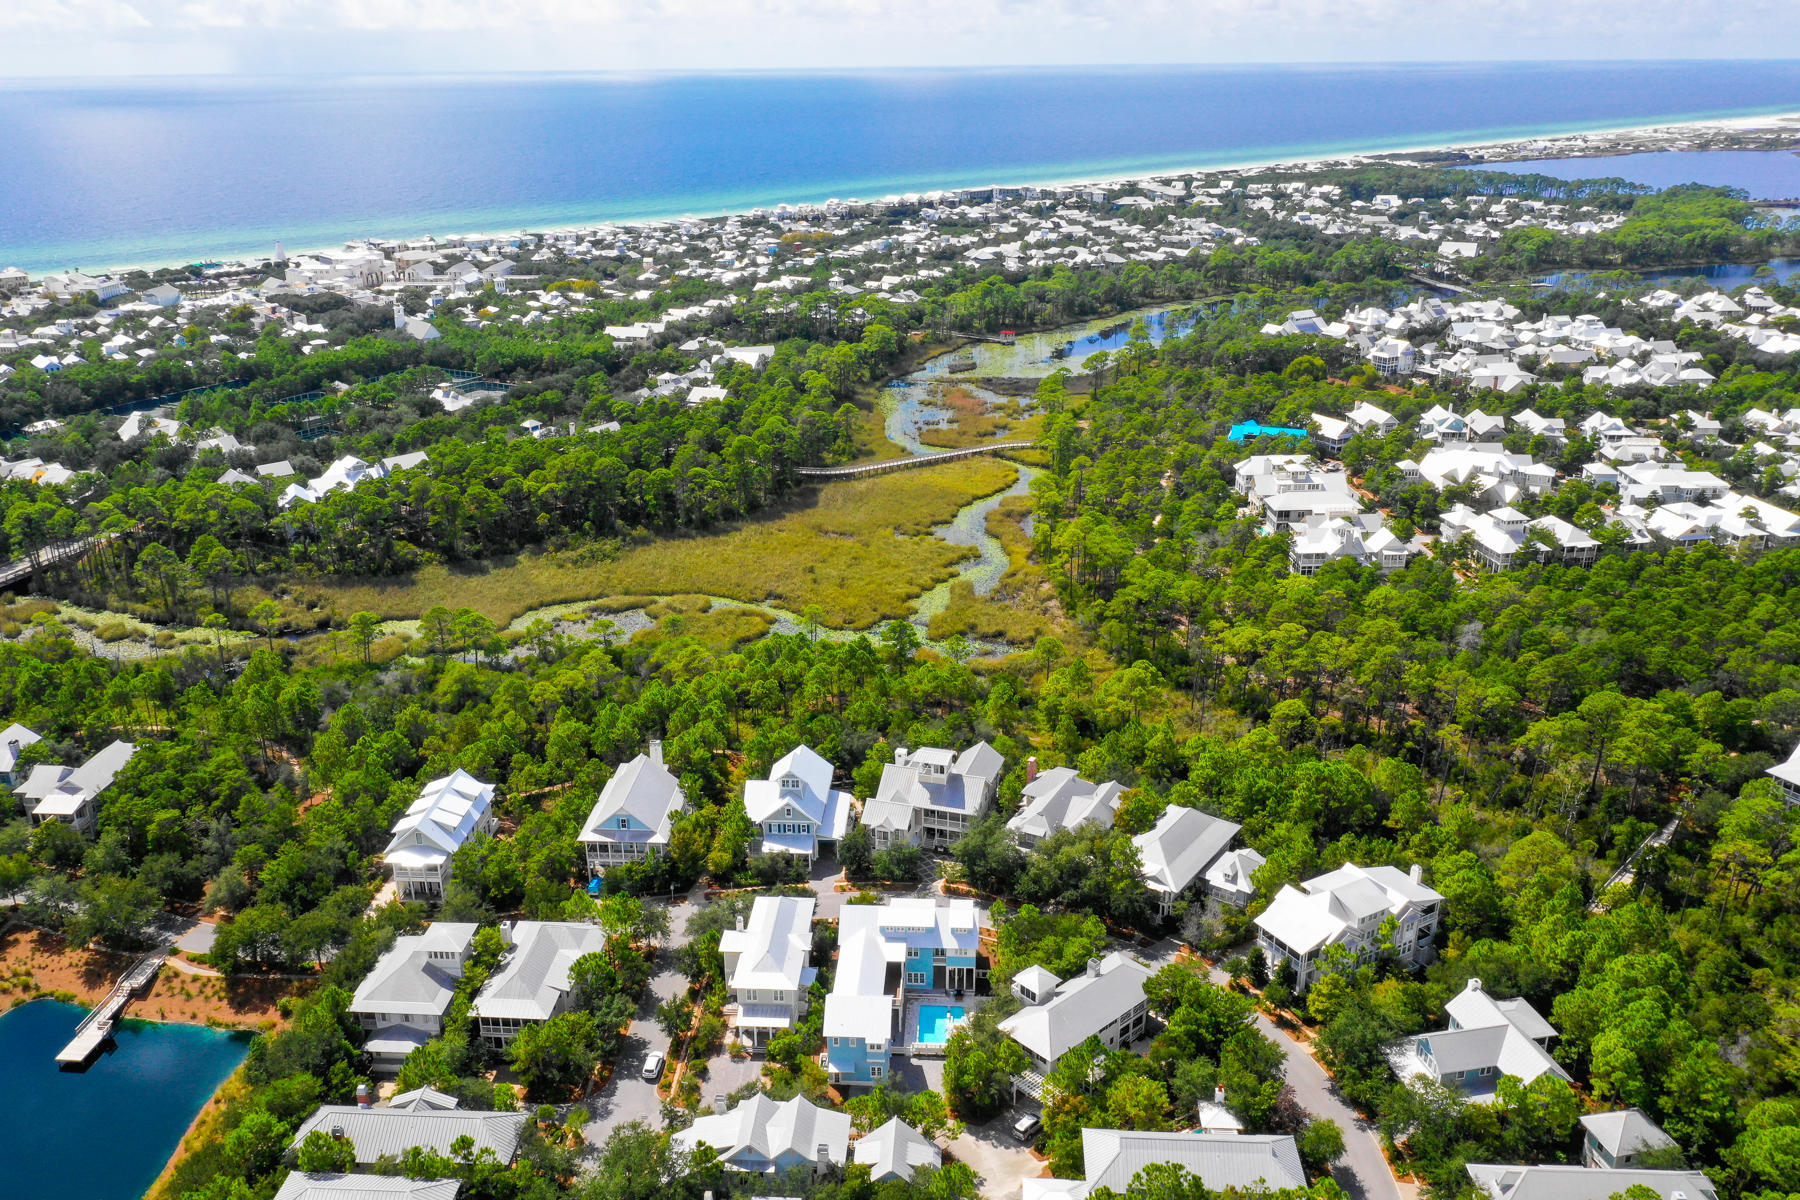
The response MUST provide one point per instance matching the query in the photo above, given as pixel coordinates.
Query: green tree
(555, 1057)
(325, 1154)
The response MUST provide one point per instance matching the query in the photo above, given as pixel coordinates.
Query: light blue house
(885, 952)
(634, 815)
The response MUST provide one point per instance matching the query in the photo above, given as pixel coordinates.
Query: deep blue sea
(103, 1133)
(95, 176)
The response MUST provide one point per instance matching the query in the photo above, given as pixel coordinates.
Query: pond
(1765, 174)
(103, 1133)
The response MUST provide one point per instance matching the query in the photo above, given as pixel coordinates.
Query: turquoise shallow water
(103, 1133)
(98, 176)
(936, 1022)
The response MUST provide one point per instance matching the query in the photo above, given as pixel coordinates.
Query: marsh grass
(722, 629)
(1021, 607)
(861, 550)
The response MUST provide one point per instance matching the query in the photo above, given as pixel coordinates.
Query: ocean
(99, 175)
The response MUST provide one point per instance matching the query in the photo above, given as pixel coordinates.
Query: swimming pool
(937, 1022)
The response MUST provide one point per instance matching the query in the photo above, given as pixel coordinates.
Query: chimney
(899, 755)
(1416, 873)
(362, 1095)
(1093, 967)
(740, 922)
(822, 1158)
(656, 751)
(1474, 985)
(719, 1102)
(1219, 1095)
(1031, 769)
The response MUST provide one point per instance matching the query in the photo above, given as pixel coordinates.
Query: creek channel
(910, 406)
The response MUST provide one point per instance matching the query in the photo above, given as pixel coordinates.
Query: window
(781, 995)
(876, 1071)
(624, 822)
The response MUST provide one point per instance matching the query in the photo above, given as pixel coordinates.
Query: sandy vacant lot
(33, 963)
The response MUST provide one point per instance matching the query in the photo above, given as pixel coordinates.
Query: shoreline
(1780, 125)
(83, 976)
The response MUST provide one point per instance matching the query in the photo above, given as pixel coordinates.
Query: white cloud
(620, 34)
(71, 16)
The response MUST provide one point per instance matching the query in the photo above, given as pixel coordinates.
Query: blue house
(887, 952)
(635, 814)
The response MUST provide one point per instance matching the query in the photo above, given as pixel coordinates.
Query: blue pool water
(103, 1133)
(1251, 429)
(937, 1022)
(98, 175)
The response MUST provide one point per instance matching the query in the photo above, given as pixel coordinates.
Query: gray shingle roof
(1182, 844)
(1219, 1160)
(643, 789)
(376, 1132)
(1082, 1007)
(534, 976)
(895, 1151)
(315, 1185)
(761, 1130)
(1626, 1132)
(1581, 1183)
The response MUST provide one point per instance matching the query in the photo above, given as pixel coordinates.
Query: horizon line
(624, 73)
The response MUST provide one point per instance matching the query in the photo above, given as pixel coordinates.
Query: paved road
(1002, 1163)
(1363, 1172)
(628, 1096)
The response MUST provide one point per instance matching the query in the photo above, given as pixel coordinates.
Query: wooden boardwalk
(97, 1026)
(1455, 289)
(858, 470)
(24, 568)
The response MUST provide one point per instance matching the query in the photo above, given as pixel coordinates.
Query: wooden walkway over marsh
(859, 470)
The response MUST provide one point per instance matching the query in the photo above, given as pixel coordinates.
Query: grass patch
(679, 606)
(619, 604)
(721, 630)
(1021, 607)
(870, 430)
(860, 549)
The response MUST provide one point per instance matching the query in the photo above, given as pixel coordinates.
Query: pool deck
(910, 1027)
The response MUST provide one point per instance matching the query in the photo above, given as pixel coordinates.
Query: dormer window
(624, 823)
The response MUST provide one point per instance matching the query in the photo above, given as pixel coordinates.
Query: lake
(98, 176)
(103, 1133)
(1723, 276)
(1765, 174)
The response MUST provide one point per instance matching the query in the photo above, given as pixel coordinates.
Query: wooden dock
(97, 1026)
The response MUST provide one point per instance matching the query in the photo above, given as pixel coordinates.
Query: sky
(103, 38)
